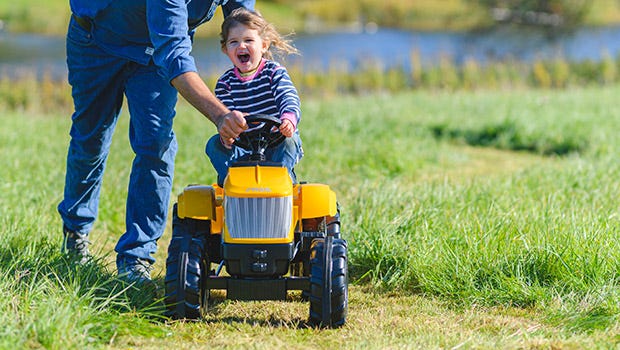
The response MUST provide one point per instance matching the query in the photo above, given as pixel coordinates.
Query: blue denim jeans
(288, 153)
(99, 83)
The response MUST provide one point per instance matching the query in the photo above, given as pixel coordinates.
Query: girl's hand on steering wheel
(286, 128)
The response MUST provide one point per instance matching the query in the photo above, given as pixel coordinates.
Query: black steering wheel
(262, 134)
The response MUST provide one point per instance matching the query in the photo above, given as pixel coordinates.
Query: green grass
(453, 243)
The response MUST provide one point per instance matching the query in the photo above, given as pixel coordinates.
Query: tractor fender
(317, 200)
(197, 202)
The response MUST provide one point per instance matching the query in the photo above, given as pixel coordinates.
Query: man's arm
(229, 123)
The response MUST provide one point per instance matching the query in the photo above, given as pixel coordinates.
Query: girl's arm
(287, 99)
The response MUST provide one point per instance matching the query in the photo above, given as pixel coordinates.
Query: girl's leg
(220, 157)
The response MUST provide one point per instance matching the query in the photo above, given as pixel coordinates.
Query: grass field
(476, 220)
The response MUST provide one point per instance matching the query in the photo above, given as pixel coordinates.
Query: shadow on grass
(218, 302)
(40, 264)
(272, 322)
(509, 136)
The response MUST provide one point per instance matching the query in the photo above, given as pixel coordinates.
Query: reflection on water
(24, 54)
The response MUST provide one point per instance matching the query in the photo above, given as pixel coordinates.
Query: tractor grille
(258, 217)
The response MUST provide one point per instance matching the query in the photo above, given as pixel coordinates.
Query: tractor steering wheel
(260, 134)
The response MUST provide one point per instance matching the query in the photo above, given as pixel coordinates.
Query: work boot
(75, 245)
(133, 270)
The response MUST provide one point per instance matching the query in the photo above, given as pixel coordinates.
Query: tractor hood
(258, 181)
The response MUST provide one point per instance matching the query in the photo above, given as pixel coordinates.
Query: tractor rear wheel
(329, 297)
(187, 268)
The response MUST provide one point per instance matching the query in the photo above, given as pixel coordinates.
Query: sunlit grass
(451, 244)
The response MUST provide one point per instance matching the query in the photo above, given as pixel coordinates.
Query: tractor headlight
(258, 217)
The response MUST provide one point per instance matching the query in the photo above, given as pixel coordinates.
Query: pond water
(34, 54)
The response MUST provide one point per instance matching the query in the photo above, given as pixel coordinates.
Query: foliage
(39, 95)
(33, 16)
(552, 13)
(30, 93)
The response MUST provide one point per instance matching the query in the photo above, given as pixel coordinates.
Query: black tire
(329, 296)
(186, 269)
(332, 225)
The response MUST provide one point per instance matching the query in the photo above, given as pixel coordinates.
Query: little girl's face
(245, 48)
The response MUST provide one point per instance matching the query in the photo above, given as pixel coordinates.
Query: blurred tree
(548, 13)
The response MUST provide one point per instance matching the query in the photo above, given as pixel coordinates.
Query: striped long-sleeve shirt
(267, 91)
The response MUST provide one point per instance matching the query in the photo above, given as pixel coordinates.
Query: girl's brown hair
(267, 32)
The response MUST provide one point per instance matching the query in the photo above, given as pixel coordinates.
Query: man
(139, 49)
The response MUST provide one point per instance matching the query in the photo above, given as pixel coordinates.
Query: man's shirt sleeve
(231, 5)
(88, 8)
(169, 33)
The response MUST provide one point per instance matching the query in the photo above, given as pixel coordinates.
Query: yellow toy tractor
(270, 234)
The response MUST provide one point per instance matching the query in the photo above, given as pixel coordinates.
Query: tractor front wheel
(329, 295)
(187, 268)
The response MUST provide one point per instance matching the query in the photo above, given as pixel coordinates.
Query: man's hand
(229, 126)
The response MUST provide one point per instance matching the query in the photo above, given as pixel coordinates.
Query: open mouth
(244, 58)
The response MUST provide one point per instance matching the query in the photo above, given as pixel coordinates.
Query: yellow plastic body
(206, 202)
(197, 202)
(258, 182)
(202, 203)
(316, 200)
